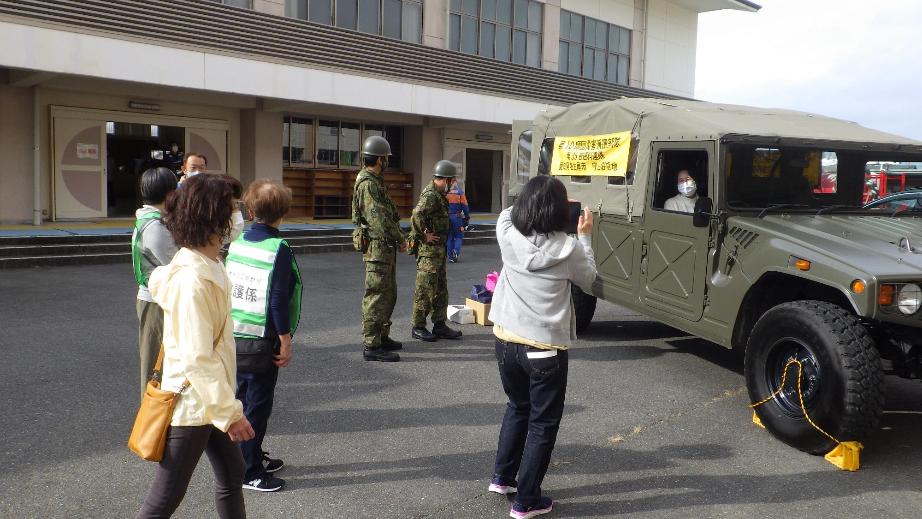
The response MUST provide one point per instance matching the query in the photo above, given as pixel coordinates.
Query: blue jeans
(536, 388)
(257, 392)
(455, 236)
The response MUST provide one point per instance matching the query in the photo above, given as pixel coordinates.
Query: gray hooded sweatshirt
(532, 295)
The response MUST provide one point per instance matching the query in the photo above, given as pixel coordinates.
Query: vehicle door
(673, 259)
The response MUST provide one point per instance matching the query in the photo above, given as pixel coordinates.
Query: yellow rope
(800, 395)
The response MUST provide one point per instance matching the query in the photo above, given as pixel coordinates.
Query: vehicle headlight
(909, 298)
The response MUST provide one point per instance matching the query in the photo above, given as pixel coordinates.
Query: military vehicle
(769, 262)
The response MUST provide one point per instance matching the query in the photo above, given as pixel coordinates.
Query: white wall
(618, 12)
(53, 50)
(671, 42)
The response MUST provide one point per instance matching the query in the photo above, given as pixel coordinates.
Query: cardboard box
(481, 312)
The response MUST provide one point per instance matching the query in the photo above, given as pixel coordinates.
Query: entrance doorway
(99, 156)
(132, 148)
(483, 179)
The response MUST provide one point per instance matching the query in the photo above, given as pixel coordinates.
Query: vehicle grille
(743, 237)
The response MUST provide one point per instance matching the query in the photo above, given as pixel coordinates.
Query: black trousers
(184, 447)
(257, 392)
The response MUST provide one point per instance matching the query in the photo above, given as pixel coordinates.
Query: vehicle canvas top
(682, 120)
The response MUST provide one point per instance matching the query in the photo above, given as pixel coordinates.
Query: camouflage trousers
(431, 291)
(378, 301)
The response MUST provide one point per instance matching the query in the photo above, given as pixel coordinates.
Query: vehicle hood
(867, 243)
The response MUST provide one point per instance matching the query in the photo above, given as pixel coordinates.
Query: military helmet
(445, 169)
(376, 146)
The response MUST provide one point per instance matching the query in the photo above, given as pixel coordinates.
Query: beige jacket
(198, 339)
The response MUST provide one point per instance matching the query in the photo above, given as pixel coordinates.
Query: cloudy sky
(854, 59)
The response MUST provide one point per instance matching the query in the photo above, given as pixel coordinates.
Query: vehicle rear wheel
(841, 382)
(584, 306)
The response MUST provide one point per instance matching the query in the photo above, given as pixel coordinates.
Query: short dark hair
(267, 201)
(185, 159)
(370, 160)
(541, 207)
(156, 184)
(200, 209)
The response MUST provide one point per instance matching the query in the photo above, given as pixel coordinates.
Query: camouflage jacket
(430, 214)
(373, 209)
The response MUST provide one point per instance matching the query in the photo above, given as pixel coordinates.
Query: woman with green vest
(266, 308)
(151, 246)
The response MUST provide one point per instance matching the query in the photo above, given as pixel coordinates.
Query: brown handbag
(148, 435)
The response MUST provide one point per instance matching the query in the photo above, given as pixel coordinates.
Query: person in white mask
(237, 225)
(688, 194)
(193, 164)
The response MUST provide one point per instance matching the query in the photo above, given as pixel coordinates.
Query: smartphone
(575, 209)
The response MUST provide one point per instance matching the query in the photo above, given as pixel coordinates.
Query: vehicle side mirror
(702, 215)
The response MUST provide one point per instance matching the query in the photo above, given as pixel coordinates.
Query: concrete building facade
(92, 93)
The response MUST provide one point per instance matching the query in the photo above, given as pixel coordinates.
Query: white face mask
(236, 229)
(688, 188)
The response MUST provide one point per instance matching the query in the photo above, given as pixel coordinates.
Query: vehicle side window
(546, 156)
(673, 165)
(523, 158)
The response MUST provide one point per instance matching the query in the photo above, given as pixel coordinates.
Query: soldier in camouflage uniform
(378, 236)
(430, 230)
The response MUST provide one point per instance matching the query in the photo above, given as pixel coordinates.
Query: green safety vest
(136, 252)
(249, 266)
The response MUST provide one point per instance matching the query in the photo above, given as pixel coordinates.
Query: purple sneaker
(524, 512)
(502, 486)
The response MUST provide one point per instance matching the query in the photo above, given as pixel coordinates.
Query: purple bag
(480, 294)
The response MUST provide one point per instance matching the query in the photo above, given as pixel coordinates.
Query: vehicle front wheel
(841, 381)
(584, 306)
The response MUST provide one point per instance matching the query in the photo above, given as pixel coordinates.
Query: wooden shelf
(327, 193)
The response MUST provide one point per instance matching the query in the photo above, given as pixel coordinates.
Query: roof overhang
(703, 6)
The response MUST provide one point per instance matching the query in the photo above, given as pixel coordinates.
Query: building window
(594, 49)
(298, 141)
(507, 30)
(398, 19)
(338, 143)
(235, 3)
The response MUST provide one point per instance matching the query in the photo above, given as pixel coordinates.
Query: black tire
(842, 380)
(584, 306)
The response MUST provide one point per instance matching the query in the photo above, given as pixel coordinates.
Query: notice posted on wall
(87, 151)
(592, 155)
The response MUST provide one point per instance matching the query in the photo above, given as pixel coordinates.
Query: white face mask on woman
(236, 229)
(688, 188)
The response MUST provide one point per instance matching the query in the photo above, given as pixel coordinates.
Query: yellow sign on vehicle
(592, 155)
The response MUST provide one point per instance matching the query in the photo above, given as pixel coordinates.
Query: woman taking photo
(198, 342)
(534, 325)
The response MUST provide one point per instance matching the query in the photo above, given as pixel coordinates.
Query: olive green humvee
(778, 259)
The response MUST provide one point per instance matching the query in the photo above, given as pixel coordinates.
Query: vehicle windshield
(817, 180)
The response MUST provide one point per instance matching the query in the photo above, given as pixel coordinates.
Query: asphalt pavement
(656, 422)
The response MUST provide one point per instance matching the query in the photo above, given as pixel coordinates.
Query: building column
(639, 44)
(435, 23)
(260, 146)
(17, 166)
(550, 35)
(423, 147)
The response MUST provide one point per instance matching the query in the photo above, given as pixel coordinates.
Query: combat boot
(423, 334)
(442, 331)
(380, 355)
(390, 344)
